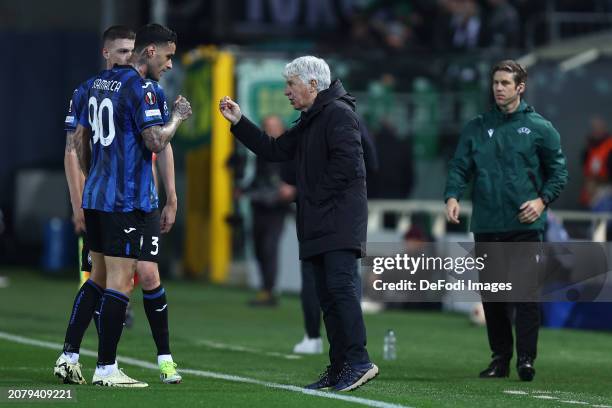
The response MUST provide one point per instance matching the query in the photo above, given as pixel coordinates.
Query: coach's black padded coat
(332, 208)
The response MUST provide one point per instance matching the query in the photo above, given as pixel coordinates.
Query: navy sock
(156, 308)
(82, 311)
(96, 316)
(112, 316)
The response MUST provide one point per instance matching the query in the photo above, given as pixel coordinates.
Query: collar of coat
(522, 108)
(335, 92)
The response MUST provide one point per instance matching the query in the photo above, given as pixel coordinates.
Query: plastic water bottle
(389, 350)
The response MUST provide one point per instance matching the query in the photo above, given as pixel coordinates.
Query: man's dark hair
(518, 72)
(118, 32)
(153, 34)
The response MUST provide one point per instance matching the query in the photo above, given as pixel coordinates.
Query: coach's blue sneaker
(328, 379)
(354, 376)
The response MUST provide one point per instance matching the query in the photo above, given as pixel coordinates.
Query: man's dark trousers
(337, 284)
(311, 307)
(499, 314)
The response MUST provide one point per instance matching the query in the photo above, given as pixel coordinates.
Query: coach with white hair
(331, 205)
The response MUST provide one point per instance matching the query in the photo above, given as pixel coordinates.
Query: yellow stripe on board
(221, 181)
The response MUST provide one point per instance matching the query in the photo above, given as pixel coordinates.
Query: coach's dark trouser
(337, 284)
(267, 229)
(499, 314)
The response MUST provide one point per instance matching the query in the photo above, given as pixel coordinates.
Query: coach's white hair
(308, 68)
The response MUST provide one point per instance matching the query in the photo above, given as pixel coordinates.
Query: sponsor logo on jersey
(152, 112)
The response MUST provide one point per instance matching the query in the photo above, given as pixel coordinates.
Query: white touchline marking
(210, 374)
(223, 346)
(550, 397)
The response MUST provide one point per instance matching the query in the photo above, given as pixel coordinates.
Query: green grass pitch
(212, 330)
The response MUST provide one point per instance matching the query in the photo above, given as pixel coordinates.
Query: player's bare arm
(76, 180)
(83, 149)
(165, 163)
(156, 138)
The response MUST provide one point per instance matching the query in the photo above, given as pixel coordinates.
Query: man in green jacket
(514, 157)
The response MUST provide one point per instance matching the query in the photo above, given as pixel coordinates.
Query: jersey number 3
(96, 116)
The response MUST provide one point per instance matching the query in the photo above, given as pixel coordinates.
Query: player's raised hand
(230, 110)
(182, 108)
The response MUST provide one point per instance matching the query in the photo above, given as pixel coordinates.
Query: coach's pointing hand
(230, 110)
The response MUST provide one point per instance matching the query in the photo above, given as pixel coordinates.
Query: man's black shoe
(328, 379)
(525, 368)
(354, 376)
(499, 368)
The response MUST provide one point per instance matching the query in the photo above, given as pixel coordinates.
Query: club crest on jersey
(150, 98)
(524, 130)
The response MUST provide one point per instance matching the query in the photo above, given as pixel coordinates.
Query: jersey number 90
(96, 115)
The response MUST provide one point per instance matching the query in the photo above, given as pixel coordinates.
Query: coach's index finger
(229, 101)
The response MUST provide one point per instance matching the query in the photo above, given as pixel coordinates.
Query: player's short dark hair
(517, 70)
(118, 32)
(153, 34)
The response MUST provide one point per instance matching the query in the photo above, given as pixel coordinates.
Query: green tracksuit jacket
(511, 158)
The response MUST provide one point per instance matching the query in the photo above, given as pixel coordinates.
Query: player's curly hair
(153, 34)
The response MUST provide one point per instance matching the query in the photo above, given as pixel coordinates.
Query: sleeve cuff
(448, 196)
(243, 120)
